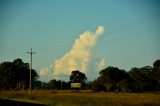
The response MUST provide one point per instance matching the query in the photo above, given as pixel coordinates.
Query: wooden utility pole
(30, 80)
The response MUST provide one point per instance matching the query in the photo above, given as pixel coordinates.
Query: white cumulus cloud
(102, 64)
(46, 73)
(79, 56)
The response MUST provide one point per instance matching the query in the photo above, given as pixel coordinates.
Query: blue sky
(50, 27)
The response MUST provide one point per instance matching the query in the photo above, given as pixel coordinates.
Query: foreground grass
(83, 98)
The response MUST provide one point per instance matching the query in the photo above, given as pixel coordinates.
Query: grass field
(83, 98)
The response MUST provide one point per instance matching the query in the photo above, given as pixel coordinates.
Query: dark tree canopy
(142, 78)
(114, 74)
(109, 79)
(77, 76)
(156, 65)
(156, 73)
(16, 74)
(54, 84)
(156, 70)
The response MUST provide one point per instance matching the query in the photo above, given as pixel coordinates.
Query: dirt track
(6, 102)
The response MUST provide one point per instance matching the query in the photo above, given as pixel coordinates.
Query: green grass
(83, 98)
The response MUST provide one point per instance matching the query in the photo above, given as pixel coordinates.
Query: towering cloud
(79, 56)
(44, 72)
(102, 64)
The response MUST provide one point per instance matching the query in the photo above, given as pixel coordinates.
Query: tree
(64, 85)
(137, 79)
(89, 85)
(156, 73)
(78, 77)
(124, 85)
(54, 84)
(97, 86)
(16, 75)
(38, 84)
(114, 74)
(109, 79)
(7, 75)
(156, 65)
(111, 76)
(142, 78)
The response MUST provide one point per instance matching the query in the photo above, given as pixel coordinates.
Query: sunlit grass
(83, 98)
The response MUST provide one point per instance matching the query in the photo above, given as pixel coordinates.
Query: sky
(84, 35)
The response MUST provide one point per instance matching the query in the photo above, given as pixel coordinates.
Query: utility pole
(30, 85)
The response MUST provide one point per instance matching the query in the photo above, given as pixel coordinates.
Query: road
(7, 102)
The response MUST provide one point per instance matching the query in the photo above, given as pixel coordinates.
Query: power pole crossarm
(30, 85)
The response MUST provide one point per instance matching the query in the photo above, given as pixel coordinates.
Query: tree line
(137, 79)
(15, 75)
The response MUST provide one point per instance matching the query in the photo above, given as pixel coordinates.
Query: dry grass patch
(83, 98)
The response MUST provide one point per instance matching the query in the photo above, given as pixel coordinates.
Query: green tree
(97, 86)
(156, 73)
(114, 74)
(111, 76)
(54, 84)
(142, 78)
(16, 75)
(7, 75)
(64, 85)
(79, 77)
(109, 79)
(124, 85)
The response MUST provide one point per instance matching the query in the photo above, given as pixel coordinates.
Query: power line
(137, 22)
(121, 29)
(30, 85)
(128, 27)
